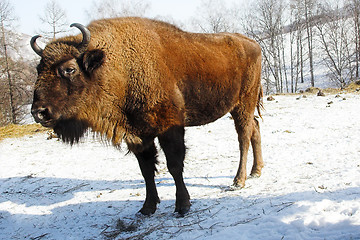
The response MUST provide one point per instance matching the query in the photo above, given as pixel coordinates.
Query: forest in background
(304, 42)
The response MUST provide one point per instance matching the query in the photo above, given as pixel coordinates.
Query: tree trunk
(357, 38)
(8, 76)
(309, 38)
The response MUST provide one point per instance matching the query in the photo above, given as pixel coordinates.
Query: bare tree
(298, 58)
(304, 17)
(354, 10)
(6, 21)
(294, 63)
(309, 8)
(265, 23)
(55, 18)
(118, 8)
(213, 16)
(16, 75)
(336, 40)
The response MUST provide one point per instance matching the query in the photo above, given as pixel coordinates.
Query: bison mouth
(48, 123)
(70, 130)
(44, 117)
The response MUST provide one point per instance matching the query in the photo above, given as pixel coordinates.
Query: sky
(28, 12)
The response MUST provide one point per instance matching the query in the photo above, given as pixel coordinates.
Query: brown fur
(140, 79)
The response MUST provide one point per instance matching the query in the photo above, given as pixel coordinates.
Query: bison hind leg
(247, 128)
(256, 145)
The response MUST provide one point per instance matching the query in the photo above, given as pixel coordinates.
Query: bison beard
(71, 130)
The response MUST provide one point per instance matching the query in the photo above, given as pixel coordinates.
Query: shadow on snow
(216, 218)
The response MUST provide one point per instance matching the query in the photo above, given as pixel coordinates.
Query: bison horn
(86, 36)
(34, 45)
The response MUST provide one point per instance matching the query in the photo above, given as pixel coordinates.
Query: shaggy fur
(70, 130)
(140, 79)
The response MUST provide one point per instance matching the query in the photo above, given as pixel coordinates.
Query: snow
(310, 187)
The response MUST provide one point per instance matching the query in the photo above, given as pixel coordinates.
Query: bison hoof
(149, 207)
(255, 175)
(238, 184)
(147, 211)
(182, 207)
(231, 188)
(182, 211)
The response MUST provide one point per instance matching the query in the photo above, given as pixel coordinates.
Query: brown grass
(13, 130)
(315, 90)
(353, 86)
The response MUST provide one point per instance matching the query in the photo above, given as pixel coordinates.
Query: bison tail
(260, 103)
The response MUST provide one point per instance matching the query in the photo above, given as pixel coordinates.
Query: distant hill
(20, 48)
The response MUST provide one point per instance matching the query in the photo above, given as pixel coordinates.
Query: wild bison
(137, 79)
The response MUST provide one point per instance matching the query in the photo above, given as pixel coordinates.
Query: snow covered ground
(310, 187)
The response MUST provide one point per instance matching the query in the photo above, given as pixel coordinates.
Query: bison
(137, 79)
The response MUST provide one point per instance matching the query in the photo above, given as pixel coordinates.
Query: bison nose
(41, 115)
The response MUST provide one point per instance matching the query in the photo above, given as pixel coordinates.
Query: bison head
(64, 81)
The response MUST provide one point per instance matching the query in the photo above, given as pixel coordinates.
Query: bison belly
(205, 103)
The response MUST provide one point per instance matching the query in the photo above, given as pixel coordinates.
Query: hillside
(23, 49)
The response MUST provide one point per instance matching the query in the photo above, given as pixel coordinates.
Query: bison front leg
(147, 161)
(172, 142)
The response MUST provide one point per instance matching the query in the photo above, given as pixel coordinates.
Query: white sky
(28, 11)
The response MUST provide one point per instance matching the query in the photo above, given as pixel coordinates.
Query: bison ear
(93, 59)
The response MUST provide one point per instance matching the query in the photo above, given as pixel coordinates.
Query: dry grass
(315, 90)
(13, 130)
(353, 86)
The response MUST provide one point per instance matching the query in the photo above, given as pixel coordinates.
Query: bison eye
(67, 72)
(70, 71)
